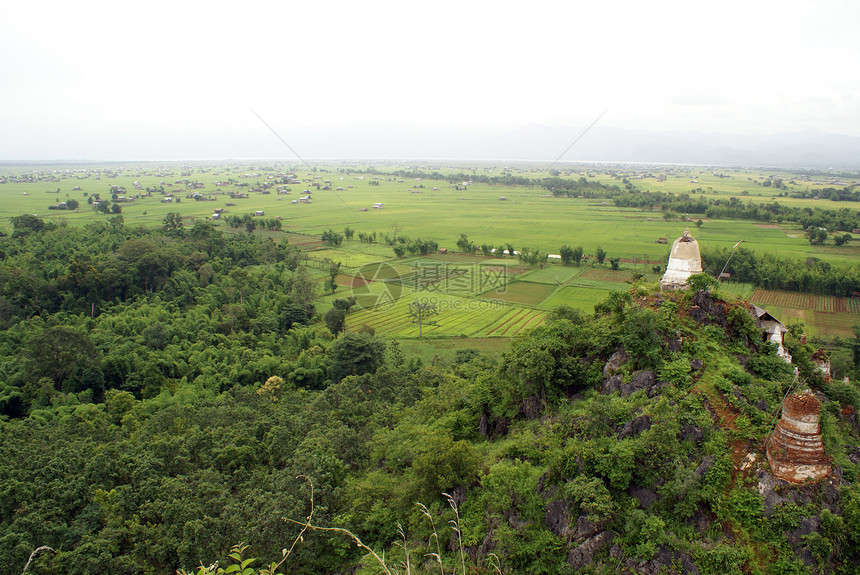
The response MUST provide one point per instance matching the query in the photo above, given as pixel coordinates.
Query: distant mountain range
(602, 144)
(535, 142)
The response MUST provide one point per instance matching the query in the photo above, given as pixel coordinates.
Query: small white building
(684, 261)
(772, 330)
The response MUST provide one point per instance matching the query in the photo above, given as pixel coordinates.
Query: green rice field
(488, 298)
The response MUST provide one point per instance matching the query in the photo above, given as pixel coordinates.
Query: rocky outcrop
(706, 311)
(821, 362)
(642, 380)
(795, 451)
(635, 426)
(583, 554)
(616, 360)
(665, 561)
(490, 428)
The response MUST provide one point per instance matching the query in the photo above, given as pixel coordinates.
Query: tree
(613, 262)
(333, 271)
(60, 353)
(293, 314)
(466, 246)
(566, 253)
(26, 224)
(344, 303)
(600, 255)
(532, 257)
(577, 255)
(348, 232)
(172, 223)
(116, 222)
(816, 235)
(700, 282)
(331, 238)
(564, 311)
(72, 204)
(421, 311)
(355, 354)
(335, 320)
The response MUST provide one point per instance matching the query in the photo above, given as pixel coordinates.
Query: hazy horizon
(101, 81)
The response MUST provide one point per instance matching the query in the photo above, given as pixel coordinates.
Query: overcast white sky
(141, 80)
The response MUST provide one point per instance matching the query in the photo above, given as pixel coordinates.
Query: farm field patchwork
(347, 259)
(580, 298)
(457, 317)
(822, 303)
(434, 209)
(440, 212)
(521, 292)
(617, 276)
(742, 290)
(553, 274)
(823, 315)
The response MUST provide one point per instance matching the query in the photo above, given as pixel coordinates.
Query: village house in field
(684, 261)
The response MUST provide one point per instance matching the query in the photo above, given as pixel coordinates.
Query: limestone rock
(583, 554)
(616, 360)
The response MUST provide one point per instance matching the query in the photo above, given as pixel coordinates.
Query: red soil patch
(350, 281)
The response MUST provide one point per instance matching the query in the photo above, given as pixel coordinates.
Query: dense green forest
(168, 394)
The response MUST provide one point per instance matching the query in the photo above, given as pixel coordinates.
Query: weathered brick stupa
(795, 451)
(684, 261)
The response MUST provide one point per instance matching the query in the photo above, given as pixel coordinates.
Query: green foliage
(590, 497)
(220, 386)
(645, 533)
(616, 464)
(642, 336)
(701, 282)
(421, 311)
(355, 354)
(572, 315)
(677, 372)
(444, 464)
(332, 238)
(546, 363)
(335, 320)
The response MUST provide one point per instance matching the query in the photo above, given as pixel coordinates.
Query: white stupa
(684, 261)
